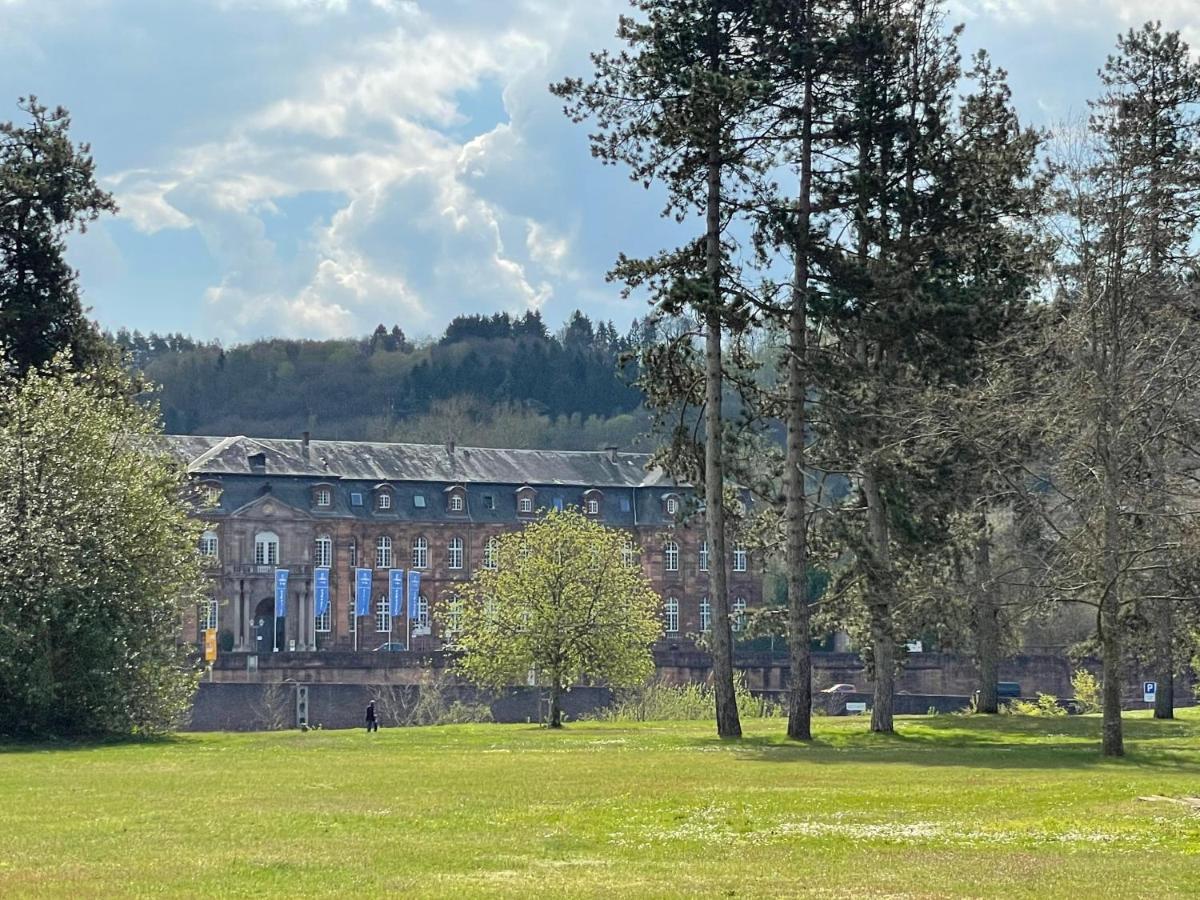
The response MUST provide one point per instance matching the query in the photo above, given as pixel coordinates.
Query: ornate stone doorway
(264, 620)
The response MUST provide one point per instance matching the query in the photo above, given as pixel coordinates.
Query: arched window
(526, 504)
(671, 556)
(383, 552)
(671, 608)
(323, 551)
(593, 507)
(456, 503)
(208, 544)
(672, 506)
(383, 616)
(705, 615)
(704, 556)
(454, 553)
(324, 496)
(385, 500)
(739, 613)
(420, 553)
(490, 551)
(628, 553)
(266, 549)
(740, 558)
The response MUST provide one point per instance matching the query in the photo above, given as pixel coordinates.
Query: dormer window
(385, 501)
(210, 494)
(525, 497)
(323, 497)
(456, 503)
(456, 499)
(672, 506)
(525, 504)
(591, 502)
(257, 461)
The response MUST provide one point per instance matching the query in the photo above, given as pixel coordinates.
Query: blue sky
(315, 167)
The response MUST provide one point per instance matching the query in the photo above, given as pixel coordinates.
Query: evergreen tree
(47, 189)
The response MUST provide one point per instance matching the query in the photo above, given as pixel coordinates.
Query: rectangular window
(624, 504)
(385, 501)
(324, 622)
(489, 501)
(593, 507)
(456, 503)
(208, 615)
(323, 497)
(323, 552)
(208, 544)
(671, 556)
(354, 553)
(383, 616)
(419, 501)
(526, 505)
(704, 557)
(356, 499)
(454, 554)
(739, 559)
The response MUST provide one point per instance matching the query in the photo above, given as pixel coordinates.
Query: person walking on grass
(372, 722)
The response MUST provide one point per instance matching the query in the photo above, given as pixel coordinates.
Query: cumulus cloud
(411, 130)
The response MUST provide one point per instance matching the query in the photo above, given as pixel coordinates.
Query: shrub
(1046, 706)
(656, 701)
(1086, 688)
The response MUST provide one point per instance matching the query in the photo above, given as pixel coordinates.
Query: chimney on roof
(612, 453)
(304, 436)
(450, 447)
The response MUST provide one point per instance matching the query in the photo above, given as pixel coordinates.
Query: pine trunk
(796, 511)
(1110, 609)
(881, 600)
(1164, 660)
(987, 623)
(728, 723)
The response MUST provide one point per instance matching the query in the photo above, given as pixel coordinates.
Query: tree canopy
(564, 598)
(97, 560)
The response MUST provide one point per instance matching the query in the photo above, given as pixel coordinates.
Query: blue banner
(414, 593)
(395, 591)
(281, 578)
(321, 589)
(362, 592)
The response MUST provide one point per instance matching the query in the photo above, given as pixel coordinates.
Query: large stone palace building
(301, 504)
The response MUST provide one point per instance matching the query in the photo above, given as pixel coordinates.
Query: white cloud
(373, 129)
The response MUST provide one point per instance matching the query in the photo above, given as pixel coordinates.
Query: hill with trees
(490, 380)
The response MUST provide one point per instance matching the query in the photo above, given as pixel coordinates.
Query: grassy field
(954, 807)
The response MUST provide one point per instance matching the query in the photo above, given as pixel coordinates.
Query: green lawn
(952, 807)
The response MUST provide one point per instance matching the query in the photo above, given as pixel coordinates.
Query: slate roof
(380, 462)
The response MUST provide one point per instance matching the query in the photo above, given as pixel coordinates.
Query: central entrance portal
(264, 621)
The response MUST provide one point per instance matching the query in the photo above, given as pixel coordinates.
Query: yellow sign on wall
(210, 644)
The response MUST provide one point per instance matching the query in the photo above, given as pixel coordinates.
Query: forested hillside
(488, 380)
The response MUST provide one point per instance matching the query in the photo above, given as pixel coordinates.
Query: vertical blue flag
(395, 591)
(321, 589)
(362, 592)
(281, 578)
(414, 592)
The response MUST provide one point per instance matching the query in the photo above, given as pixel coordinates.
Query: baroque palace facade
(301, 504)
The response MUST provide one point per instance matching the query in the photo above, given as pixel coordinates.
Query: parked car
(393, 646)
(841, 689)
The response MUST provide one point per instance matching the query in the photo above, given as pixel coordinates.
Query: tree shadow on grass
(67, 745)
(976, 742)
